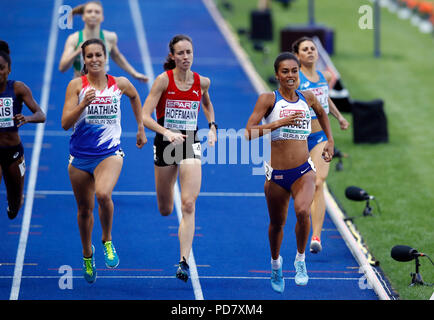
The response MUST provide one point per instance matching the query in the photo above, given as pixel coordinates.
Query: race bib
(103, 110)
(197, 149)
(321, 93)
(6, 112)
(181, 115)
(22, 167)
(298, 131)
(312, 165)
(268, 170)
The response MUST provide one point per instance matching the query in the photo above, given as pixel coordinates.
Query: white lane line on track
(153, 193)
(49, 63)
(144, 51)
(173, 277)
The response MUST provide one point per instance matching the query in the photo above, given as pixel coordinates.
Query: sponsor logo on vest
(5, 102)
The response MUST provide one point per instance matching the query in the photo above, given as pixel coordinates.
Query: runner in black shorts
(12, 165)
(177, 95)
(166, 153)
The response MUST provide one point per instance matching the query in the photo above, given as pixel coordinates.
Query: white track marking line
(173, 277)
(144, 51)
(153, 193)
(49, 63)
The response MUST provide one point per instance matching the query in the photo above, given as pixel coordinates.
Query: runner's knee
(165, 208)
(85, 211)
(188, 205)
(302, 210)
(103, 197)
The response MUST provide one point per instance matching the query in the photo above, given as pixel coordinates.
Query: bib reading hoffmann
(181, 114)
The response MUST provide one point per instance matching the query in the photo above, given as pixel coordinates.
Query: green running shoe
(110, 256)
(89, 270)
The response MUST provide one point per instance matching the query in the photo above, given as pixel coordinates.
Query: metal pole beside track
(311, 10)
(377, 20)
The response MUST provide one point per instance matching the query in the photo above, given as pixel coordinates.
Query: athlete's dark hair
(296, 43)
(284, 56)
(170, 64)
(83, 49)
(5, 52)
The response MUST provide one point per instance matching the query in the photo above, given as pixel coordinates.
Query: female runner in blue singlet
(290, 171)
(92, 108)
(317, 82)
(12, 165)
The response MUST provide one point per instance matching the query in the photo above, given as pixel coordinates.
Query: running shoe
(11, 214)
(301, 277)
(182, 272)
(110, 256)
(89, 270)
(277, 281)
(315, 245)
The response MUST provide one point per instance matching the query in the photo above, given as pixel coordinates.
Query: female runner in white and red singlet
(177, 95)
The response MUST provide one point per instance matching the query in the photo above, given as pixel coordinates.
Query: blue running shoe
(182, 272)
(89, 270)
(110, 256)
(301, 277)
(277, 281)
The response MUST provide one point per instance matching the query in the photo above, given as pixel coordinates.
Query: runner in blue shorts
(315, 81)
(285, 113)
(92, 107)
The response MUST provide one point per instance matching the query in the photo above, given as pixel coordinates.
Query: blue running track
(230, 248)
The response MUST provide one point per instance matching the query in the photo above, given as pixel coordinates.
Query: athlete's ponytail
(79, 10)
(170, 63)
(5, 52)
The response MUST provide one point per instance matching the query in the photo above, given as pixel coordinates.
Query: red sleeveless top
(179, 109)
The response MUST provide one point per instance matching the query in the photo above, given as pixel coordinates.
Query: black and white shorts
(166, 153)
(9, 155)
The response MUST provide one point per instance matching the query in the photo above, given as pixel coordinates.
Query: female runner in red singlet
(177, 95)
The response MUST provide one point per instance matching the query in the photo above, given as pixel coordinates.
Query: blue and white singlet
(283, 108)
(319, 88)
(98, 130)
